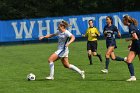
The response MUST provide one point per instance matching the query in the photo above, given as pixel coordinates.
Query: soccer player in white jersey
(65, 38)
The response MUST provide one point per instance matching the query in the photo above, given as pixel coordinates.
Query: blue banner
(24, 30)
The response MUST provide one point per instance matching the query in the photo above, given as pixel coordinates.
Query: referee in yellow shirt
(92, 33)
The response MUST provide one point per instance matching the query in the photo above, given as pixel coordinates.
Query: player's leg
(139, 57)
(90, 56)
(114, 57)
(66, 64)
(94, 50)
(51, 61)
(129, 60)
(108, 53)
(89, 52)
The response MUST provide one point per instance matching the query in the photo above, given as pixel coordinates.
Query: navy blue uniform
(135, 43)
(109, 33)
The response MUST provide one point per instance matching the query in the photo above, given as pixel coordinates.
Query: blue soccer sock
(131, 69)
(107, 63)
(119, 58)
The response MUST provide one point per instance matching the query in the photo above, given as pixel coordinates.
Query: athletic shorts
(111, 42)
(62, 53)
(135, 46)
(92, 45)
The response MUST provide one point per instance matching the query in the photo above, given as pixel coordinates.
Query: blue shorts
(135, 46)
(111, 42)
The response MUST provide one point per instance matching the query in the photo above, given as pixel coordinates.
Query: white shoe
(50, 78)
(132, 78)
(104, 71)
(125, 59)
(83, 74)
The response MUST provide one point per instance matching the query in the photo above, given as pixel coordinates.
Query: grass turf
(18, 61)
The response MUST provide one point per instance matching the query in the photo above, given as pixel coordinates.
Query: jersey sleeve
(56, 33)
(104, 29)
(116, 29)
(132, 30)
(68, 34)
(97, 32)
(86, 34)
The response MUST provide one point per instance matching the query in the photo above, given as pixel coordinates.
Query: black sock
(90, 58)
(107, 63)
(99, 56)
(131, 69)
(119, 59)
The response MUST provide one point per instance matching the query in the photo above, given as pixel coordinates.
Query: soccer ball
(31, 76)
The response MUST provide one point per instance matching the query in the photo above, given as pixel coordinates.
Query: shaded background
(21, 9)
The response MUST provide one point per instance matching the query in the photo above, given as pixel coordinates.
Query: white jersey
(63, 39)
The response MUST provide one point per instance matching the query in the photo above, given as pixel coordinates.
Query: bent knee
(107, 55)
(66, 66)
(94, 53)
(129, 60)
(50, 60)
(113, 58)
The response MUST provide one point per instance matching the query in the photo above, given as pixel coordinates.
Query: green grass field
(19, 60)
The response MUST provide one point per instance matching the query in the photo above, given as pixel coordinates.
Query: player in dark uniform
(109, 33)
(134, 45)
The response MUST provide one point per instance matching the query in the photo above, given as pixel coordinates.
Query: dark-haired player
(109, 33)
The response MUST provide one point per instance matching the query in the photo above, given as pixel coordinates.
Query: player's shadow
(41, 79)
(116, 80)
(51, 80)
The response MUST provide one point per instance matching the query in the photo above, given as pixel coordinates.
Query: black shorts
(135, 47)
(92, 45)
(111, 42)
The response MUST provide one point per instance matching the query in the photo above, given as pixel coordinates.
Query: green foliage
(18, 9)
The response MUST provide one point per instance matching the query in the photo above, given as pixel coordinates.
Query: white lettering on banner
(87, 19)
(51, 26)
(101, 23)
(74, 26)
(119, 22)
(55, 22)
(23, 27)
(46, 28)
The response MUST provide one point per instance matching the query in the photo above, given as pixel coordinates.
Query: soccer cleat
(100, 58)
(132, 78)
(83, 74)
(104, 71)
(90, 64)
(50, 78)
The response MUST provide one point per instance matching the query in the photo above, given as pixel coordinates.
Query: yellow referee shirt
(92, 33)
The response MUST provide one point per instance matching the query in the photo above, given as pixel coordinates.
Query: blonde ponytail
(131, 20)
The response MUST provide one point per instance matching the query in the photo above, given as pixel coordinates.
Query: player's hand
(40, 38)
(127, 39)
(83, 35)
(119, 35)
(67, 44)
(129, 47)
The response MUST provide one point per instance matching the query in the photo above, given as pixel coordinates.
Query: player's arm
(118, 32)
(86, 34)
(105, 33)
(134, 36)
(97, 32)
(72, 38)
(128, 39)
(129, 46)
(47, 36)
